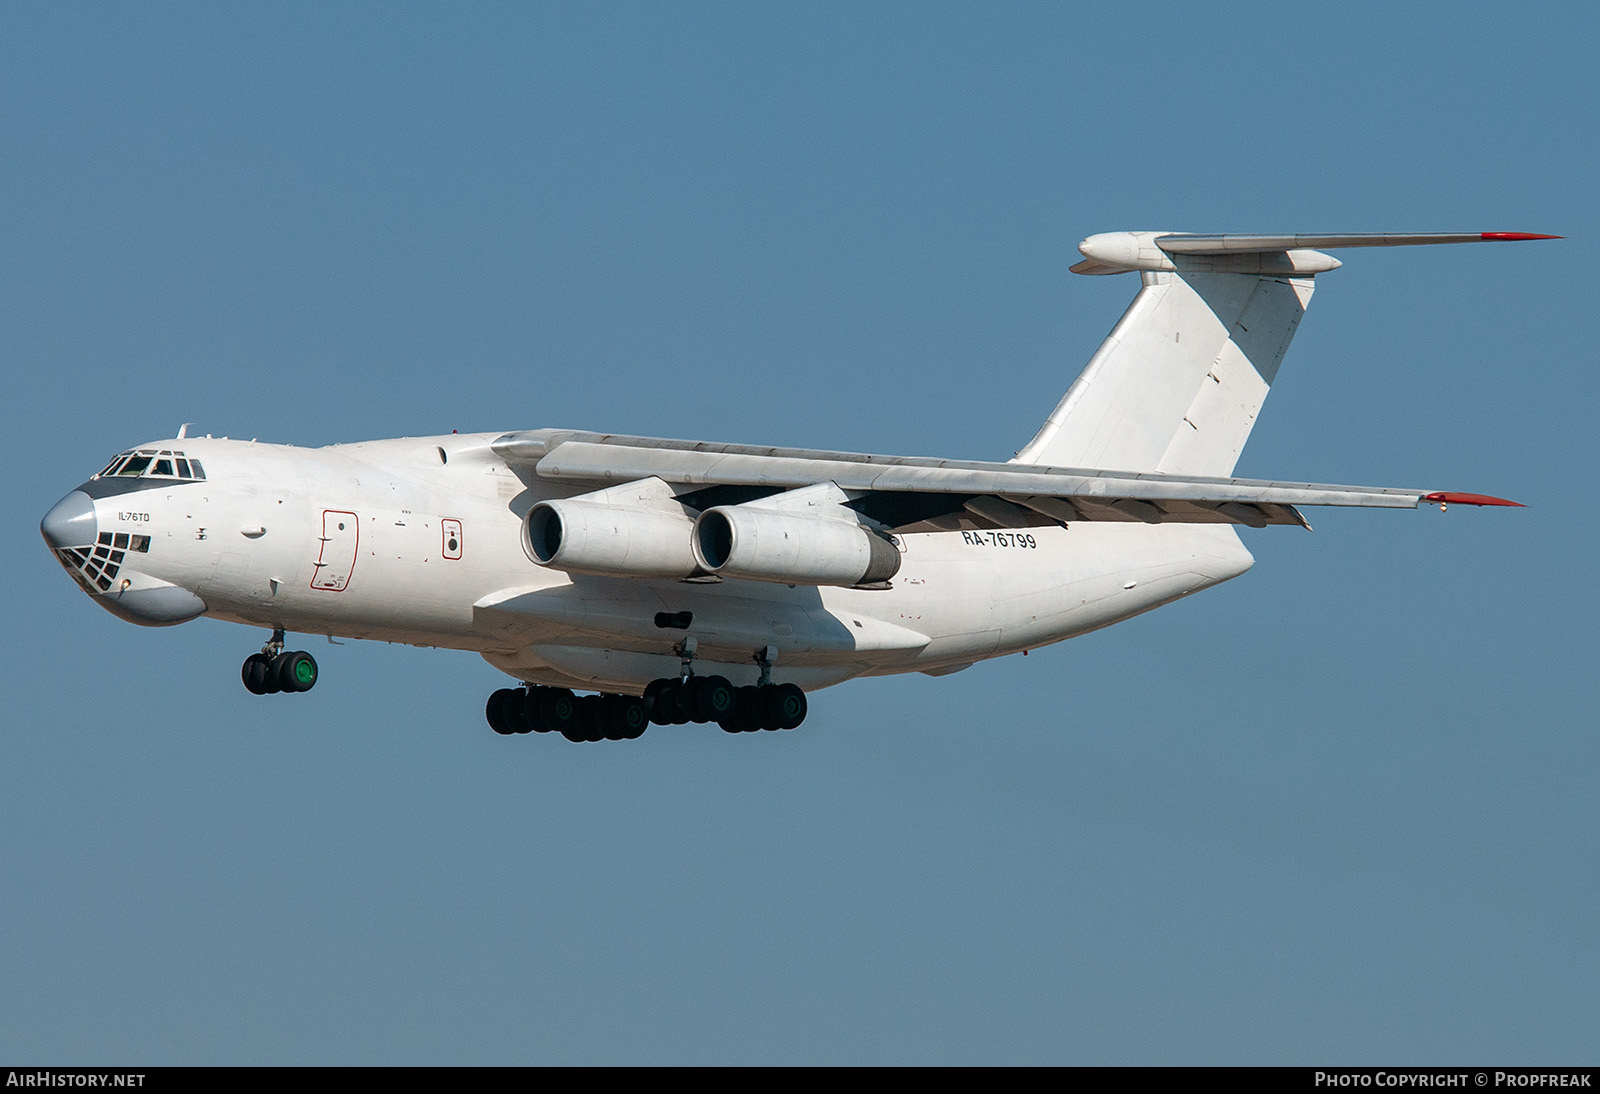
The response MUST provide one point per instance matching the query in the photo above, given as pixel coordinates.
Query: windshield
(150, 463)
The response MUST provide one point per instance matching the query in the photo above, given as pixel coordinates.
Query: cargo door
(341, 534)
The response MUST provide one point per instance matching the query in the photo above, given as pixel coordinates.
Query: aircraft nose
(71, 523)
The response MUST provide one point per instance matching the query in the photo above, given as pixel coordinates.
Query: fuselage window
(194, 465)
(134, 466)
(163, 467)
(183, 469)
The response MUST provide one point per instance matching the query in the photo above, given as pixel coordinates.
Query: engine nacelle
(794, 548)
(592, 537)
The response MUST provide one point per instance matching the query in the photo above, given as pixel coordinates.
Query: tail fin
(1177, 385)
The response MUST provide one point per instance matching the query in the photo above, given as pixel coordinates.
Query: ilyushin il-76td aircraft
(676, 581)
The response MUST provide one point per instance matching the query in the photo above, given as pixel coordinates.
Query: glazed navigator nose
(71, 523)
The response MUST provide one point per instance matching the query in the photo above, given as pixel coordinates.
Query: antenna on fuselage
(183, 430)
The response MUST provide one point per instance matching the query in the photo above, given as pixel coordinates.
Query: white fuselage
(419, 540)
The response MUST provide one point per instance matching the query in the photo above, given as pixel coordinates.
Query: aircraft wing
(907, 493)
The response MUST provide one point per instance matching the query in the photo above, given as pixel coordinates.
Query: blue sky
(1340, 810)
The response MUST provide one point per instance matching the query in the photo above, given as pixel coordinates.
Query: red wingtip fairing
(1502, 236)
(1447, 497)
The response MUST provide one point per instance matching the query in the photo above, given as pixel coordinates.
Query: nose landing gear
(274, 670)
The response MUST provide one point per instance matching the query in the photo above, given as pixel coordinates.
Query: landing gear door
(341, 533)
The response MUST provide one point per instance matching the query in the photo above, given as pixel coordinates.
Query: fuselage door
(341, 534)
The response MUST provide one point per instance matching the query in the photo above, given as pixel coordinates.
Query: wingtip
(1450, 497)
(1501, 237)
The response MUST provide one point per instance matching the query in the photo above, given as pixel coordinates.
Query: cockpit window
(157, 464)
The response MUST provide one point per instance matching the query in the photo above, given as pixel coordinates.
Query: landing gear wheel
(591, 719)
(558, 710)
(296, 671)
(624, 717)
(783, 706)
(274, 681)
(652, 699)
(667, 705)
(254, 673)
(495, 711)
(744, 716)
(517, 712)
(711, 698)
(682, 706)
(634, 727)
(531, 711)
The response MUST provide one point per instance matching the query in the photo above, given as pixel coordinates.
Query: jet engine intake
(793, 548)
(592, 537)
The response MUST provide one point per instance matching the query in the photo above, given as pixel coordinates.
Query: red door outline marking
(336, 562)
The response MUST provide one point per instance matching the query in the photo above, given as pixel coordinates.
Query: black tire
(667, 709)
(609, 729)
(274, 681)
(532, 712)
(495, 711)
(746, 709)
(652, 693)
(625, 718)
(297, 671)
(635, 718)
(517, 712)
(783, 706)
(254, 673)
(558, 710)
(683, 705)
(592, 718)
(711, 698)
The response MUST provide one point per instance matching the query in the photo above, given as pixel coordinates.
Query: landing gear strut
(273, 670)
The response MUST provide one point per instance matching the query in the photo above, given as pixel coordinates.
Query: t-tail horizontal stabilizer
(1178, 384)
(1123, 252)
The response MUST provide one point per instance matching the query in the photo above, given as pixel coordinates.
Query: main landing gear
(608, 717)
(273, 669)
(666, 702)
